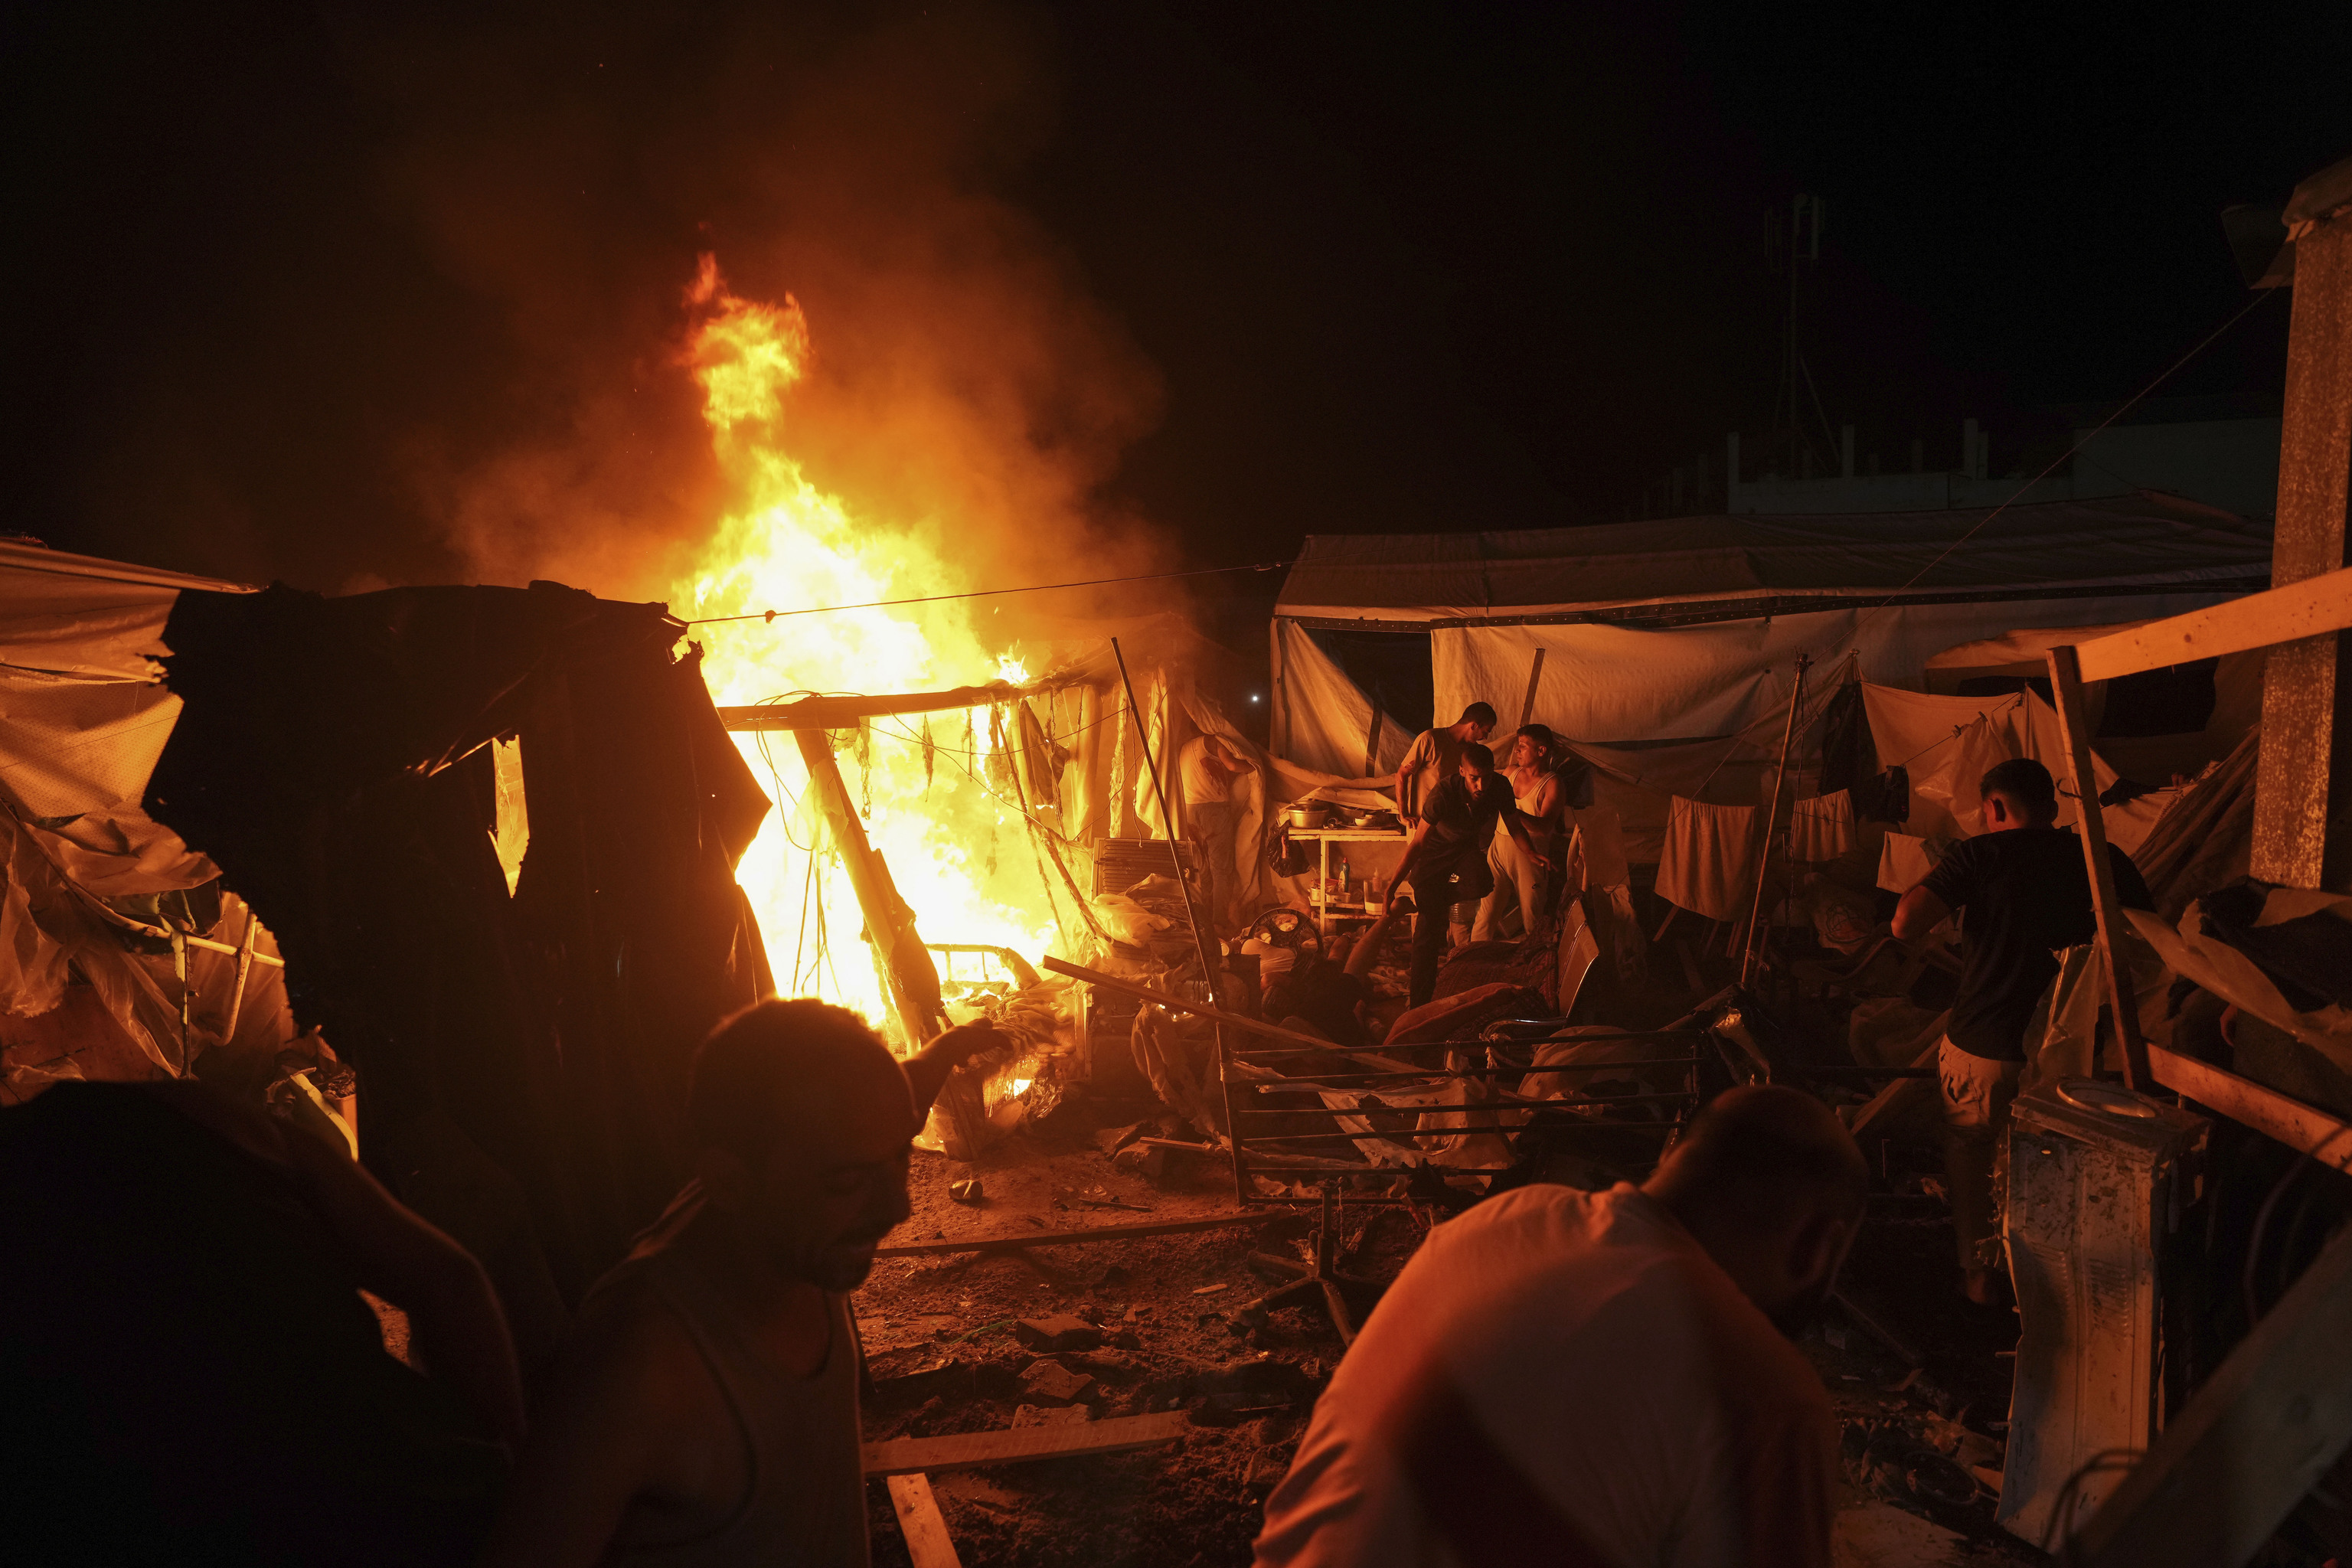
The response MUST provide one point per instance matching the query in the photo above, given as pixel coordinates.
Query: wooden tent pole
(1200, 934)
(1534, 677)
(890, 928)
(2066, 693)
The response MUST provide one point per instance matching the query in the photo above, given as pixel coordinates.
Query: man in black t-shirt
(2024, 893)
(1445, 860)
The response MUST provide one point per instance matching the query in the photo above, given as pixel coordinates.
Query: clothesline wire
(1065, 735)
(771, 616)
(2128, 404)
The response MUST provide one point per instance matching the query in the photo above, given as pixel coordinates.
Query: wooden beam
(843, 712)
(2066, 696)
(2316, 605)
(1012, 1446)
(1065, 1238)
(2252, 1442)
(913, 983)
(2266, 1110)
(919, 1522)
(1900, 1095)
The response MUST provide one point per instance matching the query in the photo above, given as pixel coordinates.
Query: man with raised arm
(1435, 754)
(705, 1413)
(2025, 893)
(1598, 1378)
(1444, 861)
(188, 1363)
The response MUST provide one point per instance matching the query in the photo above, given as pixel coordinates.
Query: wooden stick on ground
(1063, 1237)
(919, 1521)
(976, 1450)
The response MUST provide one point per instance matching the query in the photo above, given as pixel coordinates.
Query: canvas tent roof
(1748, 565)
(83, 716)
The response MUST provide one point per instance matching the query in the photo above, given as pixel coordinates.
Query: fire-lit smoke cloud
(961, 384)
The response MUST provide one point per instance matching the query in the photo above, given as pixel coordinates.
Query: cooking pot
(1307, 817)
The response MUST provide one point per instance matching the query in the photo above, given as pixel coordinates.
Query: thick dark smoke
(405, 301)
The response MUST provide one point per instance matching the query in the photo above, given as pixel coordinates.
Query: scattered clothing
(2024, 894)
(1570, 1368)
(1821, 828)
(1709, 863)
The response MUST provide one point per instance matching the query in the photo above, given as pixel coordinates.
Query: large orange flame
(953, 845)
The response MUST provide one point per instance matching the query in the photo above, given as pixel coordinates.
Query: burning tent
(197, 771)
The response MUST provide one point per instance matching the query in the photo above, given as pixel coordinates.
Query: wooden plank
(2255, 1440)
(919, 1522)
(2266, 1110)
(843, 712)
(1065, 1238)
(1017, 1444)
(1900, 1095)
(2122, 1006)
(2316, 605)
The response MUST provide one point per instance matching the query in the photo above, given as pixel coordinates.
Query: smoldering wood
(843, 712)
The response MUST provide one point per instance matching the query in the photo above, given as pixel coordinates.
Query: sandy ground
(938, 1336)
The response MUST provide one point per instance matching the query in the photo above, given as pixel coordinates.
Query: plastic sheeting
(83, 715)
(1321, 719)
(1623, 685)
(2128, 541)
(1947, 743)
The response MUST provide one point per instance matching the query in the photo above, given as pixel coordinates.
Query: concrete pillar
(2302, 790)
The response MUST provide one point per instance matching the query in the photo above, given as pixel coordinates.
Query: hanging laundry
(1821, 828)
(1904, 861)
(1709, 864)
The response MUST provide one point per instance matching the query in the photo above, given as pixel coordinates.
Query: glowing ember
(954, 848)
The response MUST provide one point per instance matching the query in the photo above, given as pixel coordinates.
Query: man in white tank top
(705, 1413)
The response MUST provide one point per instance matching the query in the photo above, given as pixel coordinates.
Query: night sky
(279, 278)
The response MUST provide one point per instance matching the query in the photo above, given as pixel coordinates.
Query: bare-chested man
(706, 1412)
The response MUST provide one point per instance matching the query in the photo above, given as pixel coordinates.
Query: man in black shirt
(2025, 893)
(1445, 860)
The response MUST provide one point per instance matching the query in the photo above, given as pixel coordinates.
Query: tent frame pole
(1193, 917)
(1752, 951)
(2066, 690)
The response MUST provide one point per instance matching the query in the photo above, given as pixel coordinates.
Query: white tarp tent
(83, 714)
(1689, 627)
(83, 719)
